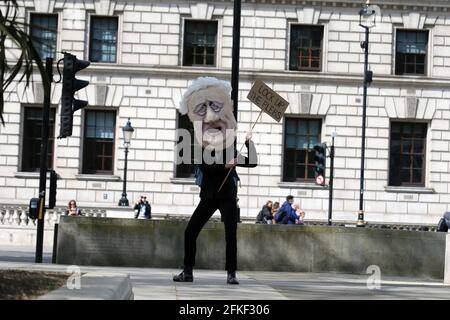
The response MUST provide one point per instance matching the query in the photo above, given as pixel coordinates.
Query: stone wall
(150, 243)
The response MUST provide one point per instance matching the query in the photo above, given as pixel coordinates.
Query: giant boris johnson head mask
(208, 104)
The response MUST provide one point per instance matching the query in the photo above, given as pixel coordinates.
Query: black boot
(231, 278)
(185, 276)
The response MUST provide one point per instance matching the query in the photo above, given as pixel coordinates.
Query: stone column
(2, 214)
(23, 217)
(7, 216)
(447, 260)
(16, 217)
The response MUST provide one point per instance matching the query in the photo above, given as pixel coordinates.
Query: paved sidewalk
(23, 254)
(157, 284)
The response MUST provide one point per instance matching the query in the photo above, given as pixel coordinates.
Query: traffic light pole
(43, 164)
(235, 71)
(235, 57)
(330, 197)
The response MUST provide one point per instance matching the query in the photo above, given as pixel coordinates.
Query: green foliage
(14, 30)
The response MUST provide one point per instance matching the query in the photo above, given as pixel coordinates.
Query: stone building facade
(145, 53)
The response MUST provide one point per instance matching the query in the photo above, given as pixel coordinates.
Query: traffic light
(320, 158)
(52, 189)
(71, 85)
(34, 208)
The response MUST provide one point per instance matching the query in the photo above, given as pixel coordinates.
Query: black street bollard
(55, 243)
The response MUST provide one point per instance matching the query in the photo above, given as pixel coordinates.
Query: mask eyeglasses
(201, 108)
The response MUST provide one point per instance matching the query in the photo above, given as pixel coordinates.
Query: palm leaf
(13, 30)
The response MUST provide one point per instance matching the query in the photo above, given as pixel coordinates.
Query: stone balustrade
(15, 215)
(18, 216)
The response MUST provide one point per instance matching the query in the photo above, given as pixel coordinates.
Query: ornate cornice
(270, 76)
(353, 3)
(402, 5)
(391, 4)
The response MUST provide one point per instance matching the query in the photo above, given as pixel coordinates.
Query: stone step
(94, 286)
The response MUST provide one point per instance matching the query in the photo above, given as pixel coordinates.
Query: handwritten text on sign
(268, 100)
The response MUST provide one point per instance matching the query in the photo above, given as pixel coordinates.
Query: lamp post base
(123, 202)
(361, 222)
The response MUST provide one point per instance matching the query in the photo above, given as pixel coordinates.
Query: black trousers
(201, 215)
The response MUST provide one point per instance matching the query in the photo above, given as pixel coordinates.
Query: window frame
(114, 146)
(90, 38)
(22, 137)
(426, 141)
(58, 24)
(428, 56)
(320, 139)
(186, 20)
(293, 25)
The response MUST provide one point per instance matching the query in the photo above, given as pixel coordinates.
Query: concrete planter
(156, 243)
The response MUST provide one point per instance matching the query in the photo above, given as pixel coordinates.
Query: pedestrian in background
(265, 215)
(444, 222)
(300, 216)
(275, 207)
(286, 214)
(142, 209)
(72, 209)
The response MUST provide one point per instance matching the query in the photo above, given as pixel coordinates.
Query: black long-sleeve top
(214, 174)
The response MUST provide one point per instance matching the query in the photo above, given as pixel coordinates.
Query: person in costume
(210, 108)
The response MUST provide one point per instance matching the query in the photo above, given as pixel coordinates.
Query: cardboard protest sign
(268, 100)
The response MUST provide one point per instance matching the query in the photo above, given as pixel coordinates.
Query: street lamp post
(367, 21)
(127, 134)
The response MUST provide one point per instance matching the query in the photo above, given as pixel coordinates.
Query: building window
(407, 154)
(103, 39)
(306, 48)
(200, 42)
(186, 170)
(299, 139)
(31, 143)
(98, 151)
(43, 31)
(411, 52)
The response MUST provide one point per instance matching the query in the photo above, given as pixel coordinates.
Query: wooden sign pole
(229, 171)
(268, 101)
